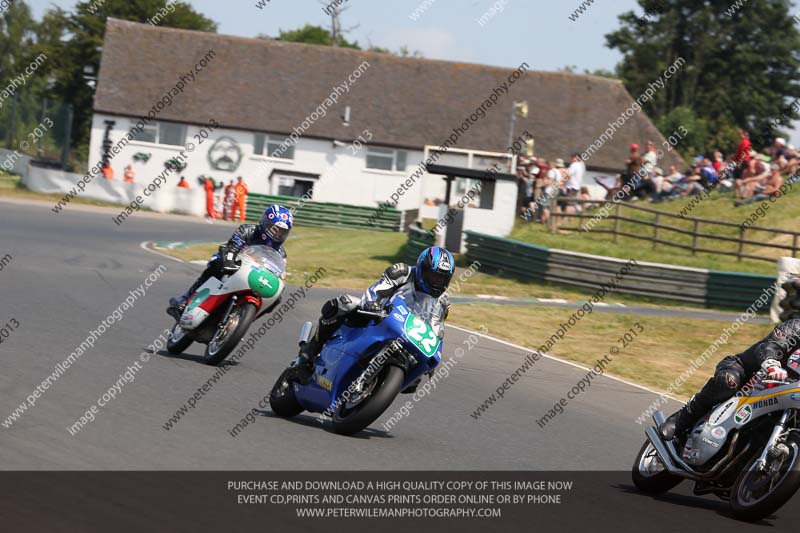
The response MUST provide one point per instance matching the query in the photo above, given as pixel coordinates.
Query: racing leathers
(767, 359)
(245, 234)
(398, 278)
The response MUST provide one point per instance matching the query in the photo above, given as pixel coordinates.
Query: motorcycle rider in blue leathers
(272, 230)
(431, 275)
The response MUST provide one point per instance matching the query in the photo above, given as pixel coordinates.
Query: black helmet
(435, 268)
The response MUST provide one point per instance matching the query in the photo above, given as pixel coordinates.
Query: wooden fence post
(794, 245)
(694, 236)
(742, 229)
(655, 230)
(616, 222)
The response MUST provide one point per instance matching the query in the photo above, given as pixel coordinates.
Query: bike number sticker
(264, 282)
(421, 334)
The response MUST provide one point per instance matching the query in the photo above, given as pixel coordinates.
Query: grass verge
(655, 358)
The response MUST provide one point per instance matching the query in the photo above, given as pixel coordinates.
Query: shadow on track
(313, 421)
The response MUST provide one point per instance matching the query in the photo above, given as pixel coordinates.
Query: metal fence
(328, 214)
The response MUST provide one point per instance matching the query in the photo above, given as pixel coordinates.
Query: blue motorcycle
(370, 359)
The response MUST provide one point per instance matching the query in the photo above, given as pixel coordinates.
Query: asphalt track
(69, 271)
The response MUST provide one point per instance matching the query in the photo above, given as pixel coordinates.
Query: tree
(309, 34)
(84, 29)
(742, 65)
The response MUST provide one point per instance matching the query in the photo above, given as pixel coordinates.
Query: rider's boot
(177, 305)
(306, 357)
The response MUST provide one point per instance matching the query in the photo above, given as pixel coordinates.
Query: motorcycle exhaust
(663, 454)
(306, 332)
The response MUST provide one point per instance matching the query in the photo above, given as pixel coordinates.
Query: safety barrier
(328, 214)
(418, 240)
(524, 261)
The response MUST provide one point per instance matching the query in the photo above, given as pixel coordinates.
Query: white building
(343, 125)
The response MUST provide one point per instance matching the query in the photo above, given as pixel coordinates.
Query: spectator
(692, 184)
(227, 200)
(526, 183)
(129, 174)
(633, 166)
(108, 172)
(658, 179)
(549, 191)
(650, 158)
(719, 162)
(709, 175)
(561, 185)
(183, 184)
(754, 175)
(576, 172)
(742, 157)
(240, 199)
(779, 148)
(772, 186)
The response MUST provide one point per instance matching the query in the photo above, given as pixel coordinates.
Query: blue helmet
(276, 223)
(435, 268)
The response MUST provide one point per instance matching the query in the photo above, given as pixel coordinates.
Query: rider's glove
(229, 262)
(371, 307)
(774, 370)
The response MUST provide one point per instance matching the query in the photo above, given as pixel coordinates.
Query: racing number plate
(421, 334)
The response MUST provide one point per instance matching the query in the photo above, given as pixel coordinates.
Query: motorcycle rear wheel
(233, 330)
(349, 421)
(646, 475)
(742, 504)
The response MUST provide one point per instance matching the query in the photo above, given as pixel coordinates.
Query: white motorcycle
(221, 310)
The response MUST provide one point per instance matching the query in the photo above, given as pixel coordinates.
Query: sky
(539, 32)
(536, 31)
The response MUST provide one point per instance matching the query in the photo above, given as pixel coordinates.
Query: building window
(171, 133)
(161, 133)
(386, 159)
(273, 146)
(148, 134)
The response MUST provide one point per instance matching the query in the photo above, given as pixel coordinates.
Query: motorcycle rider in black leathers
(272, 230)
(767, 359)
(431, 275)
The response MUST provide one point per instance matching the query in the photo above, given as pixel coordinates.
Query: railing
(530, 262)
(690, 237)
(418, 240)
(328, 214)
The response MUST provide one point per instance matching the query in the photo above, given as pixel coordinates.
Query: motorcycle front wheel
(229, 333)
(758, 493)
(649, 474)
(355, 414)
(282, 400)
(178, 340)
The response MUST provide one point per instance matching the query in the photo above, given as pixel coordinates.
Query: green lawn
(354, 259)
(783, 214)
(655, 357)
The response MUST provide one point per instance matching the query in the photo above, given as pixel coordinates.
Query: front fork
(777, 433)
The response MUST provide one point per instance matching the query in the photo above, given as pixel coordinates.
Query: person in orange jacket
(108, 172)
(208, 185)
(183, 184)
(240, 199)
(129, 174)
(227, 201)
